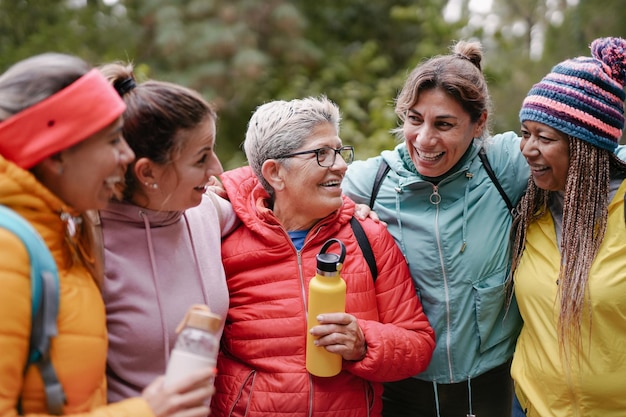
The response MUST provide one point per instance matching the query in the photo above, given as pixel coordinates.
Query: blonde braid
(585, 211)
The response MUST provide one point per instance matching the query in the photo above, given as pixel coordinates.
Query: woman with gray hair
(290, 203)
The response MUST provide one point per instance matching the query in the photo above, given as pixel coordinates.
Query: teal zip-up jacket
(455, 236)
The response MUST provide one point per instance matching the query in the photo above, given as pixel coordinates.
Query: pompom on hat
(584, 97)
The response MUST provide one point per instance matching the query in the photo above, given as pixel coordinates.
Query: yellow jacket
(79, 351)
(596, 385)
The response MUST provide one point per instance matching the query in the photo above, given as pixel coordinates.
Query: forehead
(436, 101)
(324, 134)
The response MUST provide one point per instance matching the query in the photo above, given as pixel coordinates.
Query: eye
(444, 125)
(324, 152)
(413, 118)
(203, 159)
(525, 134)
(117, 139)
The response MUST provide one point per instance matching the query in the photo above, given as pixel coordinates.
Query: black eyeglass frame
(327, 148)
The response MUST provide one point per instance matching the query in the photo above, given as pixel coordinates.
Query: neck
(290, 219)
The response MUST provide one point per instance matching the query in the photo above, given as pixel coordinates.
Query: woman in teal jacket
(452, 224)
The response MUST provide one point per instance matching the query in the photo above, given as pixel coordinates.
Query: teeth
(111, 181)
(430, 155)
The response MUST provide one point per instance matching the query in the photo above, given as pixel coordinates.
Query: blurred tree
(242, 53)
(525, 39)
(90, 29)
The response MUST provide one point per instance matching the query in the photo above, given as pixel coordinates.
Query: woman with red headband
(61, 155)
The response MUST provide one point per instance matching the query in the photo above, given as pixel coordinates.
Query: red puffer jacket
(262, 364)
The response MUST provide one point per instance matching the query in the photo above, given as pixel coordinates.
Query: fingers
(188, 397)
(362, 212)
(214, 185)
(340, 333)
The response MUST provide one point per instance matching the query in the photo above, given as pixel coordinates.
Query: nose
(340, 164)
(215, 166)
(125, 154)
(420, 136)
(528, 146)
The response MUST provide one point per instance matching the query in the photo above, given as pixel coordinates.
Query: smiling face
(182, 182)
(547, 152)
(438, 131)
(89, 171)
(304, 191)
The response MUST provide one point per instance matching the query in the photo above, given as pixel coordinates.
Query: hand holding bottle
(340, 333)
(187, 397)
(327, 294)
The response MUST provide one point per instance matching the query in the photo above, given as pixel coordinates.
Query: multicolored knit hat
(584, 97)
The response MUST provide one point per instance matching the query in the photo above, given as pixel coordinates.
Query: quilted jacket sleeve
(401, 343)
(15, 322)
(15, 305)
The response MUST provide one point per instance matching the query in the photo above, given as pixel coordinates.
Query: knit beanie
(584, 97)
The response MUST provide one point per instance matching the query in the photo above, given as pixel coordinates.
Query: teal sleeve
(359, 179)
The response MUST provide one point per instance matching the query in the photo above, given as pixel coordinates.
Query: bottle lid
(331, 262)
(200, 316)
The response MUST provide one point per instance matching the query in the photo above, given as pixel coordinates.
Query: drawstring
(195, 258)
(155, 281)
(469, 394)
(436, 398)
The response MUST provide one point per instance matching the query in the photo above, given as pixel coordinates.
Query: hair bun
(612, 51)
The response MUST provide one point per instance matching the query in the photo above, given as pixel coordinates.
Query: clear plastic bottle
(197, 344)
(327, 294)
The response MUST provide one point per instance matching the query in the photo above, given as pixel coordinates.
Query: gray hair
(34, 79)
(281, 127)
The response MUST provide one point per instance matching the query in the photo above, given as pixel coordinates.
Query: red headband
(60, 121)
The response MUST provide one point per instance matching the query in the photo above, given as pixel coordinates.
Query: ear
(273, 172)
(145, 171)
(481, 125)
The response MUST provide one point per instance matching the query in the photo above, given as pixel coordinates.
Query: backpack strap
(365, 246)
(383, 169)
(483, 157)
(45, 304)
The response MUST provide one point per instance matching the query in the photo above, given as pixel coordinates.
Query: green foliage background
(242, 53)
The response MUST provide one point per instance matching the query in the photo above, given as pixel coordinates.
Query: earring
(154, 185)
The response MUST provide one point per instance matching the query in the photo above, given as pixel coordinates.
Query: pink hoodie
(157, 264)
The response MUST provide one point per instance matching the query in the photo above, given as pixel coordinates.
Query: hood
(251, 202)
(134, 215)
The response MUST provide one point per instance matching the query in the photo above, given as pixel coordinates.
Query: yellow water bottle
(327, 294)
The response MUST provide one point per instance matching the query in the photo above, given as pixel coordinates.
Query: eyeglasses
(326, 156)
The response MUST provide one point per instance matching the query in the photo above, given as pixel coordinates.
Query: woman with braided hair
(569, 240)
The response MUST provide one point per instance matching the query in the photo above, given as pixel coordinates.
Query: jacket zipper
(435, 199)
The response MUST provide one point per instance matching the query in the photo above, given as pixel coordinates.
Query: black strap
(383, 169)
(365, 246)
(483, 157)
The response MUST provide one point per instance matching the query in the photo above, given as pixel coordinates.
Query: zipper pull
(435, 198)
